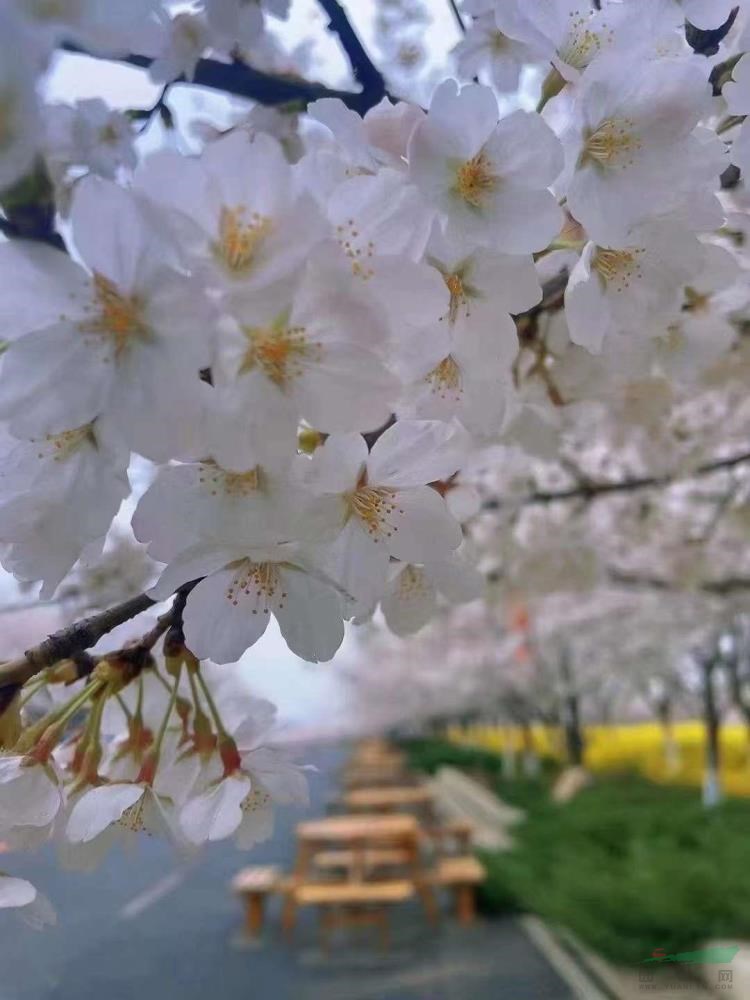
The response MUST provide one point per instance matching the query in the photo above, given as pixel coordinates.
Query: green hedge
(628, 866)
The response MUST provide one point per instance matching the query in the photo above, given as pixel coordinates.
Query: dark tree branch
(457, 16)
(73, 639)
(591, 490)
(241, 80)
(718, 588)
(365, 71)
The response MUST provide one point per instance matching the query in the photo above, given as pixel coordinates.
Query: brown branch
(719, 588)
(71, 640)
(591, 490)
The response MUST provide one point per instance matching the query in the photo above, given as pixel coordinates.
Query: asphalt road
(140, 926)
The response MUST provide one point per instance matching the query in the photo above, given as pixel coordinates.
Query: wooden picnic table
(378, 799)
(357, 827)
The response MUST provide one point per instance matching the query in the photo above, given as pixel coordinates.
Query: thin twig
(67, 641)
(457, 16)
(591, 490)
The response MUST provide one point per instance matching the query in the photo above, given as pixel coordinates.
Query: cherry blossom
(133, 321)
(631, 141)
(328, 357)
(382, 503)
(478, 173)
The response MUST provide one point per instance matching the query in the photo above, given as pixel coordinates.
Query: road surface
(140, 926)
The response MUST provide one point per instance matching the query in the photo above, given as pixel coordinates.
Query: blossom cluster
(315, 344)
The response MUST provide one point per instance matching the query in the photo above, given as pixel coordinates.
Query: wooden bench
(254, 884)
(347, 904)
(462, 875)
(456, 832)
(368, 860)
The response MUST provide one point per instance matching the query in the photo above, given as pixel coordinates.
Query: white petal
(425, 526)
(310, 617)
(15, 892)
(98, 808)
(195, 562)
(337, 465)
(410, 601)
(415, 452)
(39, 286)
(456, 578)
(215, 814)
(221, 620)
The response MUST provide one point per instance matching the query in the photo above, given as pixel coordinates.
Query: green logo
(719, 955)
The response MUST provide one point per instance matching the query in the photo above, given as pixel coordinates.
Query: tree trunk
(711, 782)
(574, 741)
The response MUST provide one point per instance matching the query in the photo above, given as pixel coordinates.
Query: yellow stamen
(240, 239)
(581, 44)
(618, 268)
(696, 301)
(475, 180)
(235, 484)
(458, 295)
(117, 316)
(66, 443)
(445, 379)
(279, 351)
(612, 144)
(374, 505)
(261, 578)
(411, 581)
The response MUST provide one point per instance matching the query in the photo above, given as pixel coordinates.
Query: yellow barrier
(674, 758)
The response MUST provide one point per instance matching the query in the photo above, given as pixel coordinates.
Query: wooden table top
(361, 826)
(383, 798)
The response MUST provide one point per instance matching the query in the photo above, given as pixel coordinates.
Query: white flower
(239, 787)
(382, 503)
(568, 33)
(114, 29)
(187, 39)
(20, 124)
(240, 22)
(466, 373)
(488, 180)
(630, 147)
(104, 815)
(314, 357)
(737, 95)
(31, 793)
(702, 332)
(380, 139)
(484, 47)
(91, 134)
(621, 287)
(236, 217)
(124, 343)
(411, 597)
(33, 908)
(58, 493)
(264, 504)
(464, 369)
(230, 608)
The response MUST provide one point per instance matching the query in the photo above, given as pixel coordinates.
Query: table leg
(465, 904)
(254, 913)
